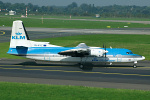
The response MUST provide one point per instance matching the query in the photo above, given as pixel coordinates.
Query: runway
(116, 76)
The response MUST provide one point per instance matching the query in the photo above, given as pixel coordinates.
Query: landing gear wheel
(134, 66)
(85, 67)
(81, 66)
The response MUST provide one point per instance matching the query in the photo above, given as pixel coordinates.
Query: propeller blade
(105, 51)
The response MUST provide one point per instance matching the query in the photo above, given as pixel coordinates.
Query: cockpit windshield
(129, 52)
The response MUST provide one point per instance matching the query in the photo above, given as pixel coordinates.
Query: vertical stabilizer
(19, 36)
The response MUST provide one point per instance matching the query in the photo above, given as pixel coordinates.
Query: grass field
(62, 23)
(139, 44)
(22, 91)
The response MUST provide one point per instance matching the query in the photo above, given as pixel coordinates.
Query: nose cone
(143, 57)
(138, 57)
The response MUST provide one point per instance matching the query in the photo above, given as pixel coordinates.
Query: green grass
(3, 52)
(78, 24)
(139, 44)
(23, 91)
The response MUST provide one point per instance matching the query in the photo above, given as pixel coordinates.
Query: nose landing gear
(134, 65)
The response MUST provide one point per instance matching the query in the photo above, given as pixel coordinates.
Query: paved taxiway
(38, 33)
(117, 76)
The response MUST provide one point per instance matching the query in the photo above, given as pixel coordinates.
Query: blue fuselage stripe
(56, 50)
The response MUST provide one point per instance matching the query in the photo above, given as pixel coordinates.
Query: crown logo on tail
(18, 33)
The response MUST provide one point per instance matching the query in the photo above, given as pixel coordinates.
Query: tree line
(78, 10)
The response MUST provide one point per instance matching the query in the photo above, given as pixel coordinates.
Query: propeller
(105, 51)
(104, 46)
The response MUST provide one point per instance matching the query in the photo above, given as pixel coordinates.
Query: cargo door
(47, 56)
(119, 58)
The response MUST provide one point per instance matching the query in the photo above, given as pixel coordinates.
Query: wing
(75, 52)
(81, 52)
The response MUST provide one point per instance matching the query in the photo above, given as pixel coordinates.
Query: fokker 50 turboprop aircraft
(21, 45)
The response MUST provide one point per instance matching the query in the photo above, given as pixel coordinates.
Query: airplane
(21, 45)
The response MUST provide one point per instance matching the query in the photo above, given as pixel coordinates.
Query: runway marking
(113, 73)
(143, 67)
(130, 74)
(124, 67)
(113, 67)
(11, 65)
(2, 32)
(31, 69)
(144, 75)
(129, 67)
(29, 66)
(45, 66)
(11, 68)
(53, 70)
(93, 72)
(75, 71)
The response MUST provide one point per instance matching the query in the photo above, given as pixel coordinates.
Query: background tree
(82, 10)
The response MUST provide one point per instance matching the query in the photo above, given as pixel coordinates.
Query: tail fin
(19, 36)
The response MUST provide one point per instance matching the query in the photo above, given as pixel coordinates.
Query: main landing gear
(81, 66)
(85, 66)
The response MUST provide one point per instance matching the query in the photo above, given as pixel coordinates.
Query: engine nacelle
(97, 52)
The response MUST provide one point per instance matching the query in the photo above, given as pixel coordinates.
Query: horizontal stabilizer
(21, 47)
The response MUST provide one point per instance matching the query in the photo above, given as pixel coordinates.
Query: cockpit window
(129, 52)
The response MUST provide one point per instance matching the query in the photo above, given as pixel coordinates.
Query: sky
(79, 2)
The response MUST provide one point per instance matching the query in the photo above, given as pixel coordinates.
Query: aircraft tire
(86, 66)
(134, 66)
(81, 66)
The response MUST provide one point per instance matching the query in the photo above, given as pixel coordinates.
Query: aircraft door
(119, 58)
(47, 56)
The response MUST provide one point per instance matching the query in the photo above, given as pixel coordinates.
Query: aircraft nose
(139, 57)
(143, 57)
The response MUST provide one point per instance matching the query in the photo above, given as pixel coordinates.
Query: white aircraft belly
(58, 58)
